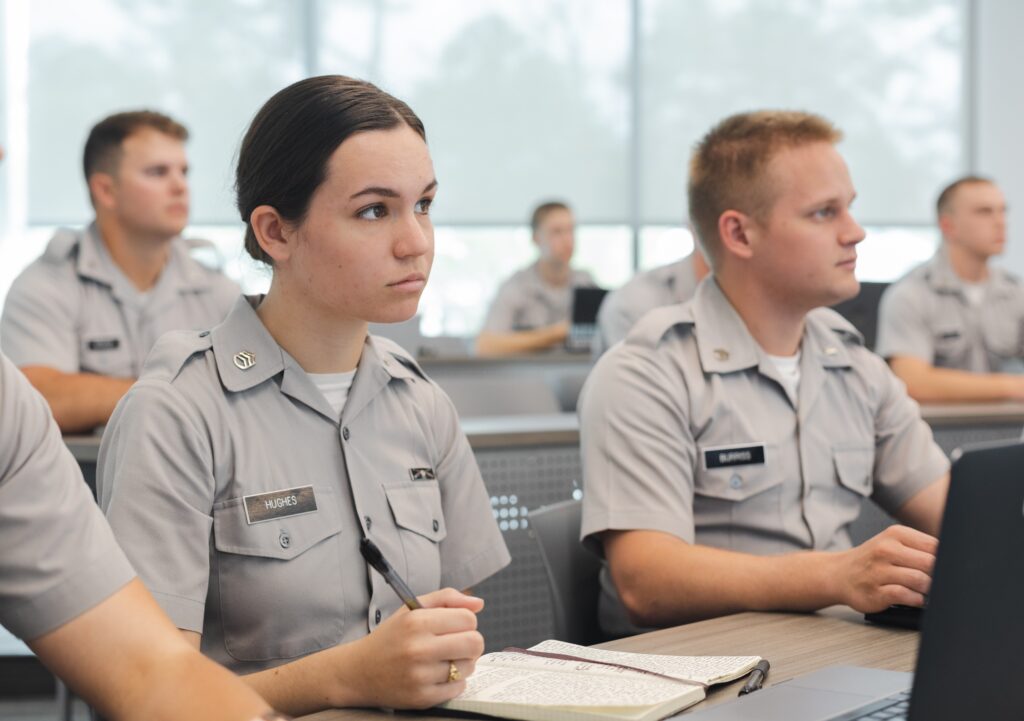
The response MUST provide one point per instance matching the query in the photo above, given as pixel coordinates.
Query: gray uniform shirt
(622, 308)
(686, 428)
(525, 302)
(241, 499)
(926, 315)
(73, 308)
(58, 558)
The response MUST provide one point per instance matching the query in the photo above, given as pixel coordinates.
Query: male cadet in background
(531, 309)
(80, 319)
(67, 589)
(728, 443)
(665, 285)
(952, 327)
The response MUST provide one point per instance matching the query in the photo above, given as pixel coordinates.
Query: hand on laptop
(893, 567)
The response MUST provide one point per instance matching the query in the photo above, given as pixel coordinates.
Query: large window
(597, 103)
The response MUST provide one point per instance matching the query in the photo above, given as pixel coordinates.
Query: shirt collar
(94, 262)
(941, 277)
(725, 345)
(247, 355)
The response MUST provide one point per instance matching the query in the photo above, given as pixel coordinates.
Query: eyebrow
(388, 192)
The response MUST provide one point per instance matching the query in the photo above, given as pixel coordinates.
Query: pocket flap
(281, 538)
(735, 484)
(417, 508)
(854, 468)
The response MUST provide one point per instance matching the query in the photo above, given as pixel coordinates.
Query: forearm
(927, 384)
(313, 683)
(185, 686)
(79, 401)
(496, 344)
(667, 581)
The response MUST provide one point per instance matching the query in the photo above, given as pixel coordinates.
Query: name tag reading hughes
(738, 455)
(261, 507)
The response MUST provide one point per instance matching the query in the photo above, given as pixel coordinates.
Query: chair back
(571, 569)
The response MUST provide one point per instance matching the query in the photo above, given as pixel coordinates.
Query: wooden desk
(794, 643)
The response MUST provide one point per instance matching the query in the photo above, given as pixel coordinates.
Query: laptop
(972, 636)
(583, 326)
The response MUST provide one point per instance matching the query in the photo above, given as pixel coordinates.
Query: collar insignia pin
(244, 360)
(721, 354)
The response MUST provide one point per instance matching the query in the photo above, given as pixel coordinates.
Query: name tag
(422, 474)
(261, 507)
(104, 344)
(738, 455)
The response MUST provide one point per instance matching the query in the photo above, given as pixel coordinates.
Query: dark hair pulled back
(284, 154)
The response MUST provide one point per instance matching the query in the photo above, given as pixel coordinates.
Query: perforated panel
(518, 611)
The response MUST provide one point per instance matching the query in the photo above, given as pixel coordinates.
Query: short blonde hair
(727, 168)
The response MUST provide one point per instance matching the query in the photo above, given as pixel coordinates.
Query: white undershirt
(789, 370)
(335, 387)
(975, 293)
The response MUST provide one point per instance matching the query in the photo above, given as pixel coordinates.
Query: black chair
(571, 569)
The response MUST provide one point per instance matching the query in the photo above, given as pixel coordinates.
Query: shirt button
(436, 524)
(376, 616)
(344, 433)
(736, 481)
(285, 539)
(368, 521)
(204, 334)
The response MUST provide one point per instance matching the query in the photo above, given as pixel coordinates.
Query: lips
(412, 282)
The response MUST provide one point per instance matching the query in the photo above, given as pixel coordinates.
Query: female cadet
(247, 463)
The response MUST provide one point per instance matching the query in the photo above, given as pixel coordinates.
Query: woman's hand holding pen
(404, 663)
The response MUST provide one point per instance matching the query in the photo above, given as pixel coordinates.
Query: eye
(372, 212)
(826, 213)
(423, 207)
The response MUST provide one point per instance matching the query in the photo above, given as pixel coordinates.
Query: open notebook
(556, 680)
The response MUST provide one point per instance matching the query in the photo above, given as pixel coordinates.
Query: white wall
(999, 108)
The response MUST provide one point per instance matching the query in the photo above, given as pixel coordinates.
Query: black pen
(756, 678)
(376, 559)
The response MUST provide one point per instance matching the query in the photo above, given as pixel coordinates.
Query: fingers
(450, 598)
(912, 538)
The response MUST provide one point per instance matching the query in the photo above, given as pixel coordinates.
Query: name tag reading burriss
(736, 455)
(269, 506)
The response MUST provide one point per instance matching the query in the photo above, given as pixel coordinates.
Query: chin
(394, 315)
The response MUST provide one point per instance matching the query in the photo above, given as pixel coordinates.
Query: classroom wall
(999, 110)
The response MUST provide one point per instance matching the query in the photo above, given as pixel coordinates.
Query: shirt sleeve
(58, 557)
(501, 316)
(613, 320)
(476, 549)
(637, 448)
(38, 323)
(907, 459)
(156, 485)
(902, 324)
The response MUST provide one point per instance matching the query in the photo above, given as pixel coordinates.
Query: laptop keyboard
(894, 708)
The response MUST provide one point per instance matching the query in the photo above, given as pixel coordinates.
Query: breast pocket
(1002, 338)
(419, 516)
(732, 496)
(106, 354)
(854, 467)
(280, 583)
(951, 347)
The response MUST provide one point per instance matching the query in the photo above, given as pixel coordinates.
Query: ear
(735, 231)
(946, 225)
(101, 190)
(273, 233)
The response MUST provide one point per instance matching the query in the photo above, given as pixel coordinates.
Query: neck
(775, 323)
(700, 266)
(969, 267)
(553, 272)
(319, 342)
(140, 258)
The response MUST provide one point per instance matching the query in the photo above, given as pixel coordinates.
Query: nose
(179, 182)
(414, 236)
(853, 233)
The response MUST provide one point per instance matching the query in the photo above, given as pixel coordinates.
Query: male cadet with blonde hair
(953, 327)
(728, 443)
(80, 320)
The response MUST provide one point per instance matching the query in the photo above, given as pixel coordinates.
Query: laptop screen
(585, 304)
